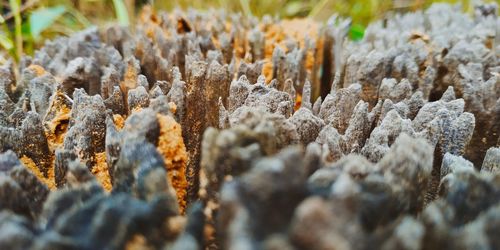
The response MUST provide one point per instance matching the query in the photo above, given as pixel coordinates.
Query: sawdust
(56, 129)
(172, 107)
(267, 69)
(49, 181)
(100, 171)
(171, 147)
(298, 102)
(56, 121)
(37, 69)
(129, 80)
(119, 121)
(277, 34)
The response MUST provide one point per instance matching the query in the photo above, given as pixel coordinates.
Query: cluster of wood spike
(214, 130)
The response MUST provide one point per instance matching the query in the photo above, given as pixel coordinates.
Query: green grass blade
(6, 42)
(121, 12)
(14, 6)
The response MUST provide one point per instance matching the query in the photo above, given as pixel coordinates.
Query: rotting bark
(218, 131)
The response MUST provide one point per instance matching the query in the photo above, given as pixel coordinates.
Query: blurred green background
(25, 24)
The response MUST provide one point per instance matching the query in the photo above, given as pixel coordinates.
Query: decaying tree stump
(211, 130)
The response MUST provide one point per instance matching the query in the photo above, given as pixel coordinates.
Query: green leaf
(41, 19)
(357, 32)
(1, 19)
(121, 12)
(26, 30)
(6, 42)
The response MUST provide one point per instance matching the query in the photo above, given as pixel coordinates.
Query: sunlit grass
(18, 37)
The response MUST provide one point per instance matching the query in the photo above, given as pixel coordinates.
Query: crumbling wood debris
(211, 130)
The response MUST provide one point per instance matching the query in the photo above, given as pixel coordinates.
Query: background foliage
(25, 24)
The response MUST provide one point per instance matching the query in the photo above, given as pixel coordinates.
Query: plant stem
(246, 7)
(121, 12)
(23, 8)
(14, 5)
